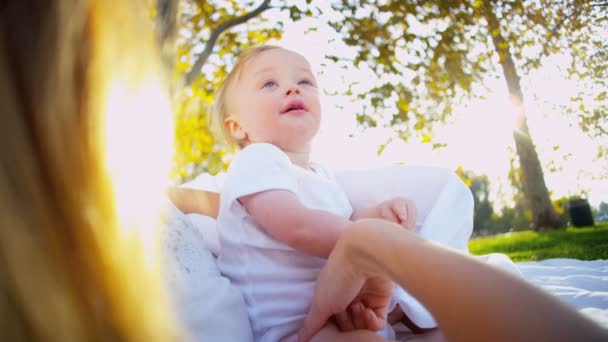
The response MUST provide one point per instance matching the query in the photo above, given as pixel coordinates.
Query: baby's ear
(237, 131)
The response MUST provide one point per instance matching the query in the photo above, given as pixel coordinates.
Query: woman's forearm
(191, 201)
(470, 300)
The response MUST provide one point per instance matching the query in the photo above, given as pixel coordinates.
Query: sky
(479, 139)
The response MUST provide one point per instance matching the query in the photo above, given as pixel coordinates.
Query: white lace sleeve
(208, 305)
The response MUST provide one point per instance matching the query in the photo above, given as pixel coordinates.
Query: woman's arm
(190, 201)
(470, 300)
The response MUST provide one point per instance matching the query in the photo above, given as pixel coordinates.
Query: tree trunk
(166, 21)
(534, 187)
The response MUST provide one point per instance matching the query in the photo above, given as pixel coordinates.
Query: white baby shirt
(277, 281)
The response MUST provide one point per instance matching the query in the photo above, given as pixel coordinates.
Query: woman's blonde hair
(220, 104)
(68, 270)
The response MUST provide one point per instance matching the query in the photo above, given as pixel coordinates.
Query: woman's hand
(345, 281)
(369, 310)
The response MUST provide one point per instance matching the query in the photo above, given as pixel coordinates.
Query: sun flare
(139, 134)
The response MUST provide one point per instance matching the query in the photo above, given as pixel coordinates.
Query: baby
(281, 214)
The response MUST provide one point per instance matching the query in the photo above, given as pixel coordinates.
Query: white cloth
(209, 307)
(580, 283)
(277, 281)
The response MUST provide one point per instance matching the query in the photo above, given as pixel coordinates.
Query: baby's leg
(330, 332)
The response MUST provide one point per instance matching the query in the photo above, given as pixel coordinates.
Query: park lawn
(589, 243)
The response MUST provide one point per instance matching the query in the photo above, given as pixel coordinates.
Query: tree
(199, 40)
(589, 66)
(603, 209)
(480, 188)
(436, 53)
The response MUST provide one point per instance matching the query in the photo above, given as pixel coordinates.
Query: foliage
(603, 209)
(589, 65)
(197, 149)
(429, 54)
(480, 188)
(433, 54)
(209, 37)
(577, 243)
(514, 217)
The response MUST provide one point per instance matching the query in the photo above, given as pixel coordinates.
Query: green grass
(578, 243)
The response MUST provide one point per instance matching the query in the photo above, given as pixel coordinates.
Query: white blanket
(583, 284)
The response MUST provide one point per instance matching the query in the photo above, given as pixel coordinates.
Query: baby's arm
(398, 210)
(280, 214)
(190, 201)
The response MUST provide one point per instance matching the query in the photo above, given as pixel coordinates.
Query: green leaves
(196, 146)
(442, 49)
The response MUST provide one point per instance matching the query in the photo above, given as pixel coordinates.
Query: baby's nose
(293, 90)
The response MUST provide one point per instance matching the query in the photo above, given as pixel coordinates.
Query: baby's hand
(399, 210)
(359, 317)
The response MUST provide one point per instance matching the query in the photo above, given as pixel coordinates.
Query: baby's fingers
(357, 313)
(400, 211)
(372, 321)
(399, 207)
(412, 213)
(388, 213)
(405, 210)
(344, 321)
(364, 318)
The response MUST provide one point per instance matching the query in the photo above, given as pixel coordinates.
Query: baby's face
(275, 100)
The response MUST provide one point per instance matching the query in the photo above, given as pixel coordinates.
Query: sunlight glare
(139, 132)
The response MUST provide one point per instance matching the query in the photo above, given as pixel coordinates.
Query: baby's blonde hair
(219, 111)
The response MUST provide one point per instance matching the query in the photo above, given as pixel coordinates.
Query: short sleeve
(256, 168)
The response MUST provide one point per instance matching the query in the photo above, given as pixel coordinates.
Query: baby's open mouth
(294, 106)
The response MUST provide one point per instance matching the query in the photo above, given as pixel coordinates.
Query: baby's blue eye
(305, 82)
(270, 84)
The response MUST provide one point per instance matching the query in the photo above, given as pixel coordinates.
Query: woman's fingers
(337, 286)
(344, 321)
(342, 281)
(313, 322)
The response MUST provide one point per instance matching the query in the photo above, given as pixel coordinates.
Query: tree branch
(167, 29)
(202, 58)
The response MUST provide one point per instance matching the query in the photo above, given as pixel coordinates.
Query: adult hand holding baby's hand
(369, 311)
(348, 283)
(399, 210)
